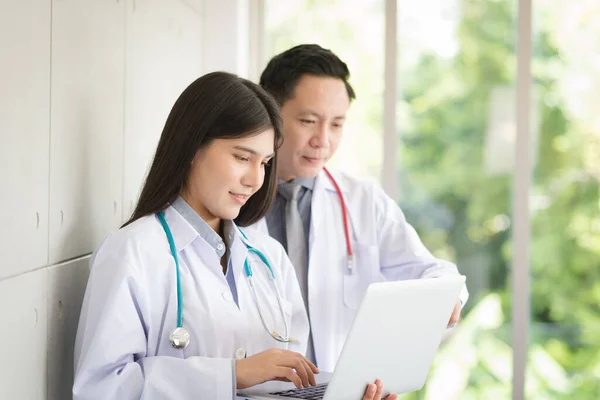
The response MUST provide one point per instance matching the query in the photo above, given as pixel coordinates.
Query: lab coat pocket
(286, 305)
(287, 308)
(276, 323)
(365, 271)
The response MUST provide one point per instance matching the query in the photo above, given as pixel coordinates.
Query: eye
(307, 121)
(240, 158)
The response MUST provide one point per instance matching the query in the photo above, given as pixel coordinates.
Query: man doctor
(311, 86)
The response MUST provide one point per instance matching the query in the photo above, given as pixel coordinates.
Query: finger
(302, 371)
(391, 397)
(453, 320)
(370, 392)
(309, 371)
(455, 315)
(312, 366)
(457, 310)
(379, 385)
(300, 364)
(290, 375)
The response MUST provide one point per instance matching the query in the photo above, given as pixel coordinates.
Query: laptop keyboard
(308, 393)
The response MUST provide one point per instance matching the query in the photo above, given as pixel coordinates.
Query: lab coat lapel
(238, 252)
(326, 250)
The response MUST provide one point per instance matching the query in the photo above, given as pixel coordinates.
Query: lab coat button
(227, 296)
(220, 246)
(240, 354)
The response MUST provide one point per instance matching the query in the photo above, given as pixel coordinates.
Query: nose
(254, 176)
(320, 139)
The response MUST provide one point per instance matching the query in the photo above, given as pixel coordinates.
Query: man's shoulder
(352, 184)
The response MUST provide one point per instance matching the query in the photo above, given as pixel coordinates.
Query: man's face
(313, 122)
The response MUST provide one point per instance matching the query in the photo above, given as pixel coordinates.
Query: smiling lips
(240, 198)
(313, 160)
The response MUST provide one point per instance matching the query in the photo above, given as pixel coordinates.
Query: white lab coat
(385, 247)
(122, 349)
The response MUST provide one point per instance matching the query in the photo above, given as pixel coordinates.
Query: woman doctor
(181, 303)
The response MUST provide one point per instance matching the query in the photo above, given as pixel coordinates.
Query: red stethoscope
(345, 218)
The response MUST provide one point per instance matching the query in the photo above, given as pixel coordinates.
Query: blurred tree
(462, 210)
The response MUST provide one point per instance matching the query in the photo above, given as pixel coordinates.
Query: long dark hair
(218, 105)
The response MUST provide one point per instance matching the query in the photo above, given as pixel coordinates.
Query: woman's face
(226, 173)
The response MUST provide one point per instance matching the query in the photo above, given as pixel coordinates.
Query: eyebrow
(252, 151)
(317, 115)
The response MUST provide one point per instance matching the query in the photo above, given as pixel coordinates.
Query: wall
(86, 88)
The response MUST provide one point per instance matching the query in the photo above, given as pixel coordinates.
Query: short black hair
(218, 105)
(283, 72)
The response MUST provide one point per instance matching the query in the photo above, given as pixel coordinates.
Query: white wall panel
(86, 160)
(227, 38)
(164, 55)
(23, 336)
(66, 287)
(24, 134)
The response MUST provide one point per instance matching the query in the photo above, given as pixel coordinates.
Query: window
(353, 30)
(456, 120)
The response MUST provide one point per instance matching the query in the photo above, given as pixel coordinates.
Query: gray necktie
(294, 230)
(296, 246)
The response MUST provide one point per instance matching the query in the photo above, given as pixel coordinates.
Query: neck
(211, 220)
(286, 177)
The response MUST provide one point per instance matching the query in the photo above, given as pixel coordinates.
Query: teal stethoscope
(180, 337)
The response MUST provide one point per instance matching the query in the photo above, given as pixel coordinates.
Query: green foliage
(446, 188)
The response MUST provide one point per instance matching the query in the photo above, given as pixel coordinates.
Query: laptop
(394, 337)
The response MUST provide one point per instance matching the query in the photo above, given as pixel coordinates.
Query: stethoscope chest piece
(179, 338)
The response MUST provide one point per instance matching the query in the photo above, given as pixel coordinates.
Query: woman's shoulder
(139, 230)
(131, 242)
